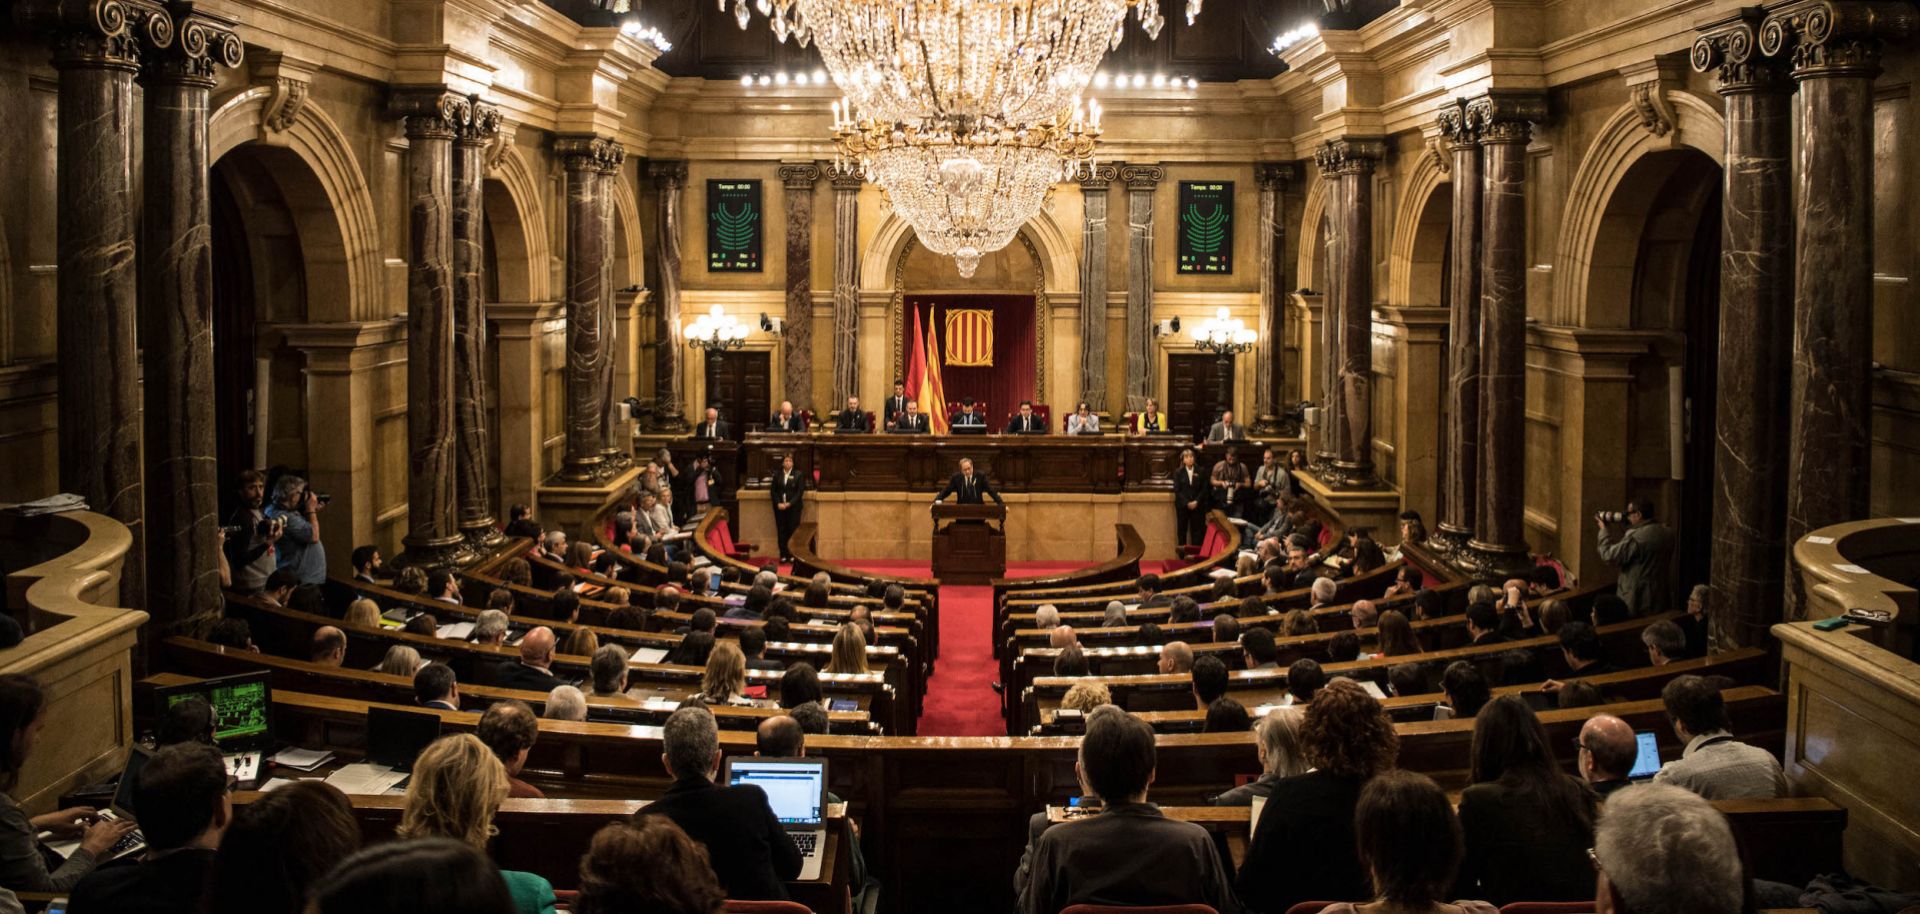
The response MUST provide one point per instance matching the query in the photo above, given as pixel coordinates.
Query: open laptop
(242, 717)
(1646, 763)
(121, 809)
(394, 739)
(796, 788)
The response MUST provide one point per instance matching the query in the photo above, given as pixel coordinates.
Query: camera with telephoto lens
(234, 531)
(1610, 517)
(319, 498)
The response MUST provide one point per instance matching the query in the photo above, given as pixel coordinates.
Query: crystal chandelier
(716, 331)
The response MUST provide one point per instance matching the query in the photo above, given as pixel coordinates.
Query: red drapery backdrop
(1011, 377)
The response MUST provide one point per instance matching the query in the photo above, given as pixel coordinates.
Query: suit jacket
(1223, 432)
(791, 489)
(751, 853)
(854, 420)
(975, 494)
(1026, 425)
(915, 422)
(762, 663)
(1645, 555)
(512, 675)
(968, 419)
(1098, 860)
(1194, 487)
(1519, 849)
(1303, 848)
(173, 884)
(717, 430)
(895, 406)
(791, 423)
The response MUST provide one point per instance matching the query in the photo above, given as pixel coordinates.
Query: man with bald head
(1062, 637)
(531, 673)
(780, 737)
(329, 646)
(1176, 657)
(1607, 751)
(1365, 615)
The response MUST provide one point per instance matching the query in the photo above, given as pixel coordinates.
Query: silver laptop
(796, 788)
(121, 809)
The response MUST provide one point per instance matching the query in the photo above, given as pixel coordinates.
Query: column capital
(1276, 175)
(1460, 127)
(799, 175)
(668, 174)
(1730, 48)
(1350, 155)
(1507, 117)
(1141, 177)
(589, 153)
(845, 176)
(481, 125)
(1100, 177)
(1826, 38)
(202, 44)
(432, 113)
(101, 33)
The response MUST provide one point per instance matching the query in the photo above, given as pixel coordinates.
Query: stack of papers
(649, 654)
(656, 703)
(366, 778)
(52, 504)
(302, 759)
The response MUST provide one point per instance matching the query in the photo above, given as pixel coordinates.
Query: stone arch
(1590, 292)
(1058, 260)
(330, 202)
(1421, 226)
(1311, 269)
(517, 222)
(627, 234)
(1042, 308)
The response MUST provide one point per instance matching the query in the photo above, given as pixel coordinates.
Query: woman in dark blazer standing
(1527, 823)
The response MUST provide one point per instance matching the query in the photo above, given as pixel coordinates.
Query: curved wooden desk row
(1129, 549)
(1197, 575)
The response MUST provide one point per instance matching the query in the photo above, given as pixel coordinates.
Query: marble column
(473, 441)
(176, 325)
(1270, 369)
(433, 539)
(1499, 545)
(582, 157)
(616, 452)
(1350, 163)
(1141, 367)
(1328, 367)
(1460, 484)
(1093, 285)
(846, 285)
(1835, 49)
(669, 179)
(1750, 457)
(796, 341)
(99, 368)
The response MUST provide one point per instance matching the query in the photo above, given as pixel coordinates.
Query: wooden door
(738, 383)
(1193, 387)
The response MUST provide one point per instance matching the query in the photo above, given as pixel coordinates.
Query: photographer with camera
(251, 535)
(297, 507)
(1644, 552)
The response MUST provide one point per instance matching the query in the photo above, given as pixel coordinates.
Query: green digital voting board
(736, 231)
(1206, 227)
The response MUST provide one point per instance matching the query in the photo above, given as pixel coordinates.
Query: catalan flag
(923, 372)
(970, 338)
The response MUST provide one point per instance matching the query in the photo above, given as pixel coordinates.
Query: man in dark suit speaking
(751, 852)
(968, 487)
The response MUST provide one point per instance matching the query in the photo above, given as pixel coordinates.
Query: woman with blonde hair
(618, 596)
(457, 786)
(849, 650)
(411, 580)
(363, 612)
(401, 660)
(725, 680)
(582, 643)
(1085, 696)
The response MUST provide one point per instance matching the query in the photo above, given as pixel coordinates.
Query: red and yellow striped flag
(970, 338)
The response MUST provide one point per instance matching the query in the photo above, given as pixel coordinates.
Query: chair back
(1156, 909)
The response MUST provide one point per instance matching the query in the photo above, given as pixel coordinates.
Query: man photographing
(1644, 553)
(297, 506)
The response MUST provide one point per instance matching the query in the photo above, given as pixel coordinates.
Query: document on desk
(366, 778)
(455, 631)
(649, 654)
(302, 759)
(656, 703)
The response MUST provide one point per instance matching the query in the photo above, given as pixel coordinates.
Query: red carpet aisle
(960, 700)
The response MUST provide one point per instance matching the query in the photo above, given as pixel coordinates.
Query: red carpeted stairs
(960, 700)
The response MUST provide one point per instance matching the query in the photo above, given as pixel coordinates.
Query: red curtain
(1011, 377)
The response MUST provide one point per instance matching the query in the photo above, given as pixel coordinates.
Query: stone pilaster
(616, 454)
(1140, 181)
(473, 441)
(796, 342)
(1331, 353)
(1093, 285)
(1270, 360)
(176, 325)
(433, 117)
(1499, 544)
(586, 159)
(1751, 425)
(846, 286)
(1460, 462)
(1835, 51)
(1349, 164)
(669, 180)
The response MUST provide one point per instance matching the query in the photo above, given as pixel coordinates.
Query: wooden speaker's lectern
(967, 547)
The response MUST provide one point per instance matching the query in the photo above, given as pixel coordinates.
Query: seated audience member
(1694, 623)
(1183, 609)
(1404, 679)
(753, 646)
(1115, 615)
(233, 634)
(1520, 667)
(1364, 614)
(1527, 823)
(1714, 764)
(1209, 680)
(648, 866)
(1147, 591)
(280, 845)
(1410, 845)
(1661, 850)
(1396, 635)
(426, 625)
(1261, 652)
(725, 679)
(412, 581)
(329, 646)
(1062, 636)
(182, 795)
(364, 613)
(22, 868)
(1072, 661)
(401, 660)
(456, 788)
(309, 599)
(1343, 648)
(1465, 689)
(1578, 694)
(811, 717)
(279, 587)
(754, 608)
(1176, 657)
(1085, 696)
(530, 674)
(1305, 679)
(849, 650)
(1665, 642)
(442, 586)
(1277, 742)
(1429, 604)
(1226, 629)
(1609, 609)
(189, 720)
(1225, 715)
(1076, 863)
(800, 684)
(411, 877)
(1406, 581)
(517, 571)
(509, 728)
(1607, 751)
(777, 628)
(1554, 616)
(701, 620)
(434, 687)
(1296, 623)
(565, 605)
(751, 853)
(490, 627)
(1517, 619)
(1323, 591)
(1483, 624)
(1303, 846)
(582, 642)
(566, 702)
(607, 677)
(1149, 635)
(1585, 654)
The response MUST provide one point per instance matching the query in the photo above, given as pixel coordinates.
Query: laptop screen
(242, 707)
(795, 788)
(129, 777)
(1647, 763)
(395, 738)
